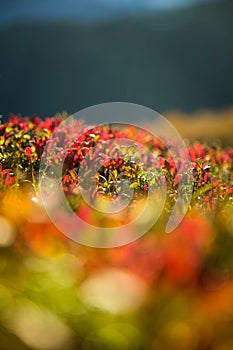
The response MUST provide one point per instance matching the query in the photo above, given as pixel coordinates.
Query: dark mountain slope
(181, 59)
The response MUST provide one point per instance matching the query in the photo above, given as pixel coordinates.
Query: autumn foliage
(160, 292)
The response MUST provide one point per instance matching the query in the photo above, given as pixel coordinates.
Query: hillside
(177, 60)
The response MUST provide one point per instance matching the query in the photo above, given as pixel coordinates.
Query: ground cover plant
(160, 292)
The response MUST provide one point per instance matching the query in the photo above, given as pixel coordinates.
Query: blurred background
(162, 292)
(61, 55)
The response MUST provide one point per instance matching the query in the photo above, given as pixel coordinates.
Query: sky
(82, 10)
(156, 4)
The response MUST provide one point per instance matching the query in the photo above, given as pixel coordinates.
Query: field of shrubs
(159, 292)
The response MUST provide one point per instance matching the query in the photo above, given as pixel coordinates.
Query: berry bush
(163, 291)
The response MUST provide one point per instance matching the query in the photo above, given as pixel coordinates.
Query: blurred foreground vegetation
(160, 292)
